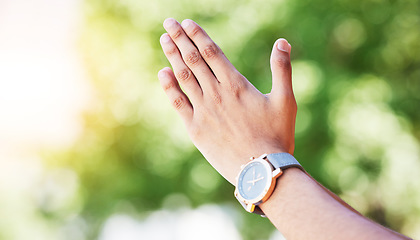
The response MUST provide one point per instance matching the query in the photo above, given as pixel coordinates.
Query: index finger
(211, 53)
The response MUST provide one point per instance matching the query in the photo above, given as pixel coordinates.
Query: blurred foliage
(356, 73)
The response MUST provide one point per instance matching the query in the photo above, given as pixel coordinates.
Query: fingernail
(169, 22)
(186, 23)
(165, 38)
(283, 45)
(162, 74)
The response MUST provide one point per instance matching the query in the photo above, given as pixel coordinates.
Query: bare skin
(227, 118)
(229, 121)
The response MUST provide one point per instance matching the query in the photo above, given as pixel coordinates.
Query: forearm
(333, 195)
(229, 120)
(301, 209)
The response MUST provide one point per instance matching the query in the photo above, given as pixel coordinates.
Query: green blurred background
(356, 74)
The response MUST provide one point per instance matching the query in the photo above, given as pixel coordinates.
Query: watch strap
(283, 161)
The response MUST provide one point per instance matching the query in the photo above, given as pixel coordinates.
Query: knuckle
(192, 58)
(194, 31)
(283, 62)
(169, 85)
(171, 51)
(176, 34)
(178, 103)
(217, 99)
(235, 87)
(183, 75)
(210, 51)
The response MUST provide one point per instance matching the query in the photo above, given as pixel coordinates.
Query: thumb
(281, 68)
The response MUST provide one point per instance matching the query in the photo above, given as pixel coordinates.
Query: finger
(183, 74)
(211, 53)
(281, 68)
(191, 55)
(178, 99)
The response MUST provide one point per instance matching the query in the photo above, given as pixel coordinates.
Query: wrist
(291, 178)
(243, 157)
(258, 179)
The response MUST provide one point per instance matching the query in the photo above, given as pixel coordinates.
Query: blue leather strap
(283, 161)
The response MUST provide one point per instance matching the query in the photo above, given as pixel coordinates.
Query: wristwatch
(257, 179)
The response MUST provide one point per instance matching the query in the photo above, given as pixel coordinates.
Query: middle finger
(191, 55)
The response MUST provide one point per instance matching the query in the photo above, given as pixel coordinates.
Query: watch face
(254, 180)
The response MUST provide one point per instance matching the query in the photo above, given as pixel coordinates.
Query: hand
(227, 118)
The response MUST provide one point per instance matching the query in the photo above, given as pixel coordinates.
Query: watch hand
(251, 181)
(253, 177)
(255, 180)
(258, 179)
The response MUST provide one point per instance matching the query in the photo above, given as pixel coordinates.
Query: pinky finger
(177, 97)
